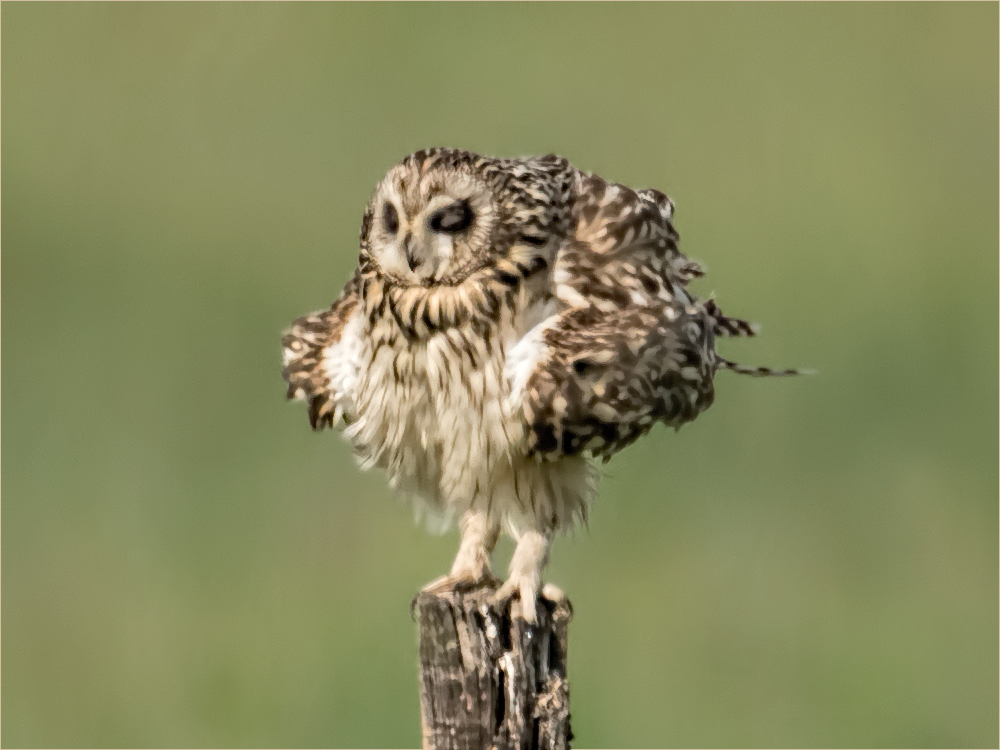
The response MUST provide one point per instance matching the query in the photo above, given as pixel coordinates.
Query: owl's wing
(304, 347)
(623, 251)
(603, 379)
(632, 346)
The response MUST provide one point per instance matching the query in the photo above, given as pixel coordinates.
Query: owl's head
(440, 215)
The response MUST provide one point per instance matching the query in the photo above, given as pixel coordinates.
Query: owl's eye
(390, 218)
(532, 240)
(452, 219)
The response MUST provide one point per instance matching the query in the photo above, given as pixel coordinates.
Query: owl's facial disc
(429, 228)
(419, 247)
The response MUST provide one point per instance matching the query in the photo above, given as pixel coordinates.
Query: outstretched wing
(624, 252)
(304, 348)
(632, 345)
(605, 378)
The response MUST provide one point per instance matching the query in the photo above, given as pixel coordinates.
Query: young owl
(509, 322)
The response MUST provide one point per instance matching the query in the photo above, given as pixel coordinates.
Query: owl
(511, 324)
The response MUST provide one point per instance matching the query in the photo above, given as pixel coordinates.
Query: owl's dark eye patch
(390, 219)
(452, 219)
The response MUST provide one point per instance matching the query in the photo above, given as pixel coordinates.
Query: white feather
(342, 362)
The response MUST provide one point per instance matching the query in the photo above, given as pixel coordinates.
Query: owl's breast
(435, 413)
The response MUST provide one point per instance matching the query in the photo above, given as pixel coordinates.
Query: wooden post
(487, 678)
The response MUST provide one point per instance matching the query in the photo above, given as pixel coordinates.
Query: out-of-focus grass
(814, 562)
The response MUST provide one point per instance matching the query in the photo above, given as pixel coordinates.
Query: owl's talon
(413, 606)
(462, 581)
(525, 588)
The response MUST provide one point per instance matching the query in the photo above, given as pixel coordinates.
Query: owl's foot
(525, 587)
(525, 579)
(462, 579)
(550, 592)
(472, 563)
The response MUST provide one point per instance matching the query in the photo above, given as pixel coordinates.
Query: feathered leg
(472, 563)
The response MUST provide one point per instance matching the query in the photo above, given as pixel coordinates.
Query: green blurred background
(812, 563)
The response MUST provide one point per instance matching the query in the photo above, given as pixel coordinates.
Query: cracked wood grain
(487, 678)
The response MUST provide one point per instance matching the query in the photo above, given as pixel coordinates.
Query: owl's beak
(411, 260)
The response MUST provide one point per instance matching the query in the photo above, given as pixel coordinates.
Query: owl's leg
(525, 580)
(472, 563)
(479, 538)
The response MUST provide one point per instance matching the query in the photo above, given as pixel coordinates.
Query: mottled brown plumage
(304, 344)
(509, 321)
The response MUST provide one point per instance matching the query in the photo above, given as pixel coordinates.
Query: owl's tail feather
(758, 372)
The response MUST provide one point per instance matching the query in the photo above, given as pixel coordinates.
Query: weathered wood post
(489, 680)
